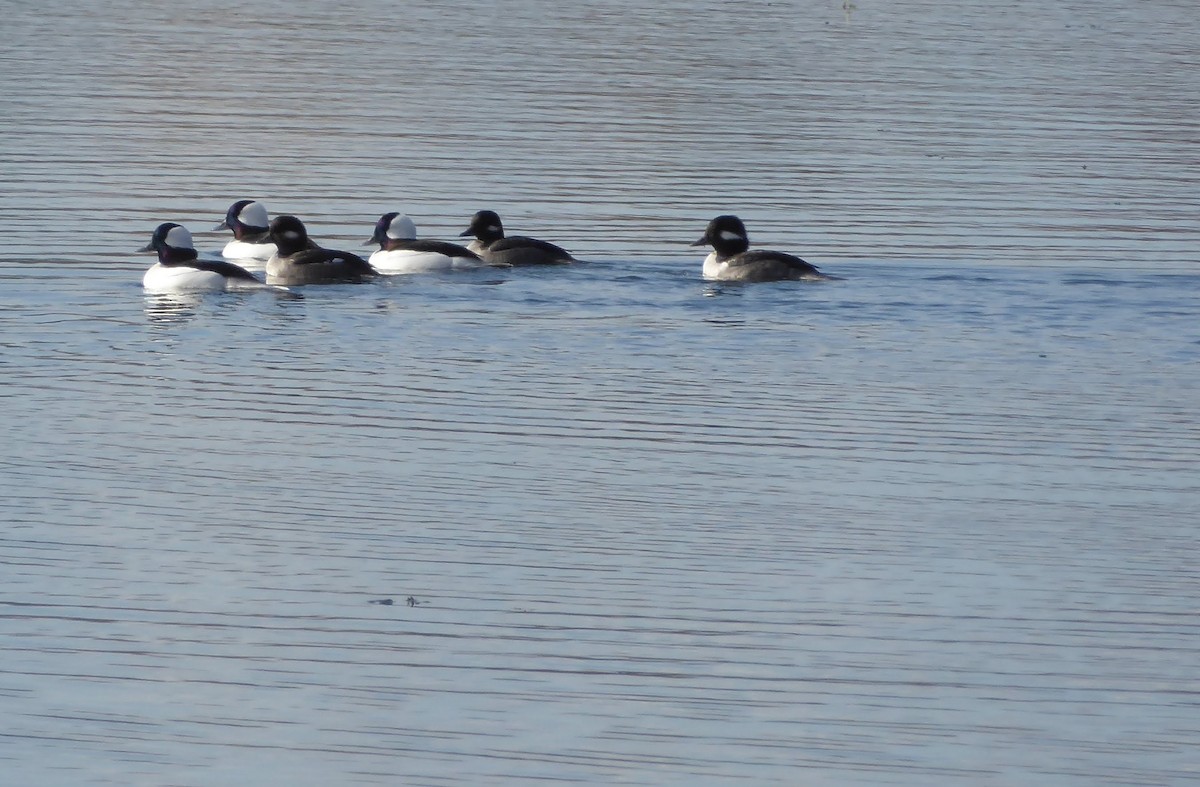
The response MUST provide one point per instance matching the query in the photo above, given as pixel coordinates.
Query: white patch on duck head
(179, 238)
(730, 235)
(402, 228)
(254, 215)
(291, 234)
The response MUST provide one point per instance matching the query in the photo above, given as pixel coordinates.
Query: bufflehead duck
(298, 261)
(178, 269)
(401, 252)
(251, 231)
(731, 259)
(491, 244)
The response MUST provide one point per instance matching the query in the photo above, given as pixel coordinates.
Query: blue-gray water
(932, 523)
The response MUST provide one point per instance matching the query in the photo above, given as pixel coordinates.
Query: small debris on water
(387, 602)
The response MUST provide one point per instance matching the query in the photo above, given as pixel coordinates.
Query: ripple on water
(931, 522)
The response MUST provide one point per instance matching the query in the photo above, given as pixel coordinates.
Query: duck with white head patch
(297, 261)
(401, 252)
(491, 244)
(732, 259)
(179, 268)
(251, 231)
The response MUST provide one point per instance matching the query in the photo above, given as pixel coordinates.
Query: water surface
(931, 523)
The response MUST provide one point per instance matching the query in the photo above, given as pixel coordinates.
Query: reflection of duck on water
(172, 307)
(167, 308)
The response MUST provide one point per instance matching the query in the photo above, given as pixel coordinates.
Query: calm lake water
(932, 523)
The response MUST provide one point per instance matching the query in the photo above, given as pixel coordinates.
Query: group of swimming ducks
(290, 257)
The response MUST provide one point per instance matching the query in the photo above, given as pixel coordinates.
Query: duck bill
(701, 242)
(147, 247)
(224, 225)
